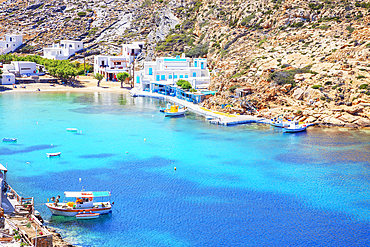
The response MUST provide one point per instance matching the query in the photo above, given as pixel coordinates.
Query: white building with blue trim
(166, 71)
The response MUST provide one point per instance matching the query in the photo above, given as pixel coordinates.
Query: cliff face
(308, 59)
(304, 59)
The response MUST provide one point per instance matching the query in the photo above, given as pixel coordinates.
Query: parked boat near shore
(174, 111)
(294, 127)
(84, 204)
(72, 129)
(6, 139)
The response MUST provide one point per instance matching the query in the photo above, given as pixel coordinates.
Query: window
(11, 39)
(70, 46)
(181, 76)
(196, 63)
(169, 76)
(137, 79)
(194, 74)
(157, 78)
(174, 76)
(78, 46)
(186, 76)
(25, 68)
(163, 77)
(150, 71)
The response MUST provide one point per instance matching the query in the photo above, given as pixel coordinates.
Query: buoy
(126, 152)
(52, 144)
(174, 168)
(37, 122)
(145, 139)
(28, 162)
(79, 179)
(80, 131)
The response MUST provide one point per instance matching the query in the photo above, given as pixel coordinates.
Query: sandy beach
(82, 84)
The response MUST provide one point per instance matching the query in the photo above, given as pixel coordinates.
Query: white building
(131, 51)
(110, 66)
(20, 68)
(11, 43)
(63, 50)
(167, 71)
(8, 78)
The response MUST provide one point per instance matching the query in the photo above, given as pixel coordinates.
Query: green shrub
(316, 86)
(232, 88)
(323, 98)
(328, 83)
(186, 85)
(364, 86)
(198, 51)
(81, 14)
(350, 29)
(360, 77)
(193, 90)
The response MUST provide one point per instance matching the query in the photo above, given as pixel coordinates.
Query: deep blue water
(247, 185)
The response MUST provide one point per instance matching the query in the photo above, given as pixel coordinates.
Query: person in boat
(78, 200)
(56, 202)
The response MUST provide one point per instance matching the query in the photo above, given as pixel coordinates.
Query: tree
(122, 77)
(98, 77)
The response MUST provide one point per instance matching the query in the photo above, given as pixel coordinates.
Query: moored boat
(84, 205)
(174, 111)
(294, 127)
(72, 129)
(53, 154)
(6, 139)
(87, 216)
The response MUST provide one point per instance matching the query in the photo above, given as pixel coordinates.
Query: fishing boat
(279, 123)
(294, 127)
(71, 129)
(5, 139)
(168, 107)
(174, 111)
(85, 204)
(53, 154)
(87, 216)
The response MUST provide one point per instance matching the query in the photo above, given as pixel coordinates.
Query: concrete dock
(213, 116)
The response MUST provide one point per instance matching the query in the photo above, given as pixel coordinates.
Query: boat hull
(287, 130)
(87, 216)
(53, 154)
(174, 114)
(9, 139)
(73, 212)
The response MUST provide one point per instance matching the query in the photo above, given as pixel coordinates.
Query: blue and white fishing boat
(279, 122)
(6, 139)
(294, 127)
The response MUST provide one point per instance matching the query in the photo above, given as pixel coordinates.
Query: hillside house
(11, 43)
(63, 50)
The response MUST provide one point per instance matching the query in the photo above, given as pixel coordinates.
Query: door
(157, 78)
(150, 71)
(196, 63)
(202, 65)
(137, 79)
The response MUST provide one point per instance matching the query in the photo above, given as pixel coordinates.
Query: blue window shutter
(169, 76)
(181, 76)
(186, 76)
(150, 71)
(194, 74)
(137, 79)
(157, 77)
(163, 77)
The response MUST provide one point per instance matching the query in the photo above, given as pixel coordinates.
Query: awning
(85, 194)
(2, 168)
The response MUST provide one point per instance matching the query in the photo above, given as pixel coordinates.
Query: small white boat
(87, 216)
(294, 127)
(5, 139)
(53, 154)
(174, 111)
(84, 204)
(72, 129)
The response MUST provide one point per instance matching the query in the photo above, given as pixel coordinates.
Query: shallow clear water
(247, 185)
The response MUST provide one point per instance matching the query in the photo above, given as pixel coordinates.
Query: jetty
(19, 221)
(214, 117)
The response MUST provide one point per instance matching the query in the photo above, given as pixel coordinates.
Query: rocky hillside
(308, 60)
(305, 59)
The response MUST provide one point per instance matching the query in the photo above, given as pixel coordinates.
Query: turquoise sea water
(247, 185)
